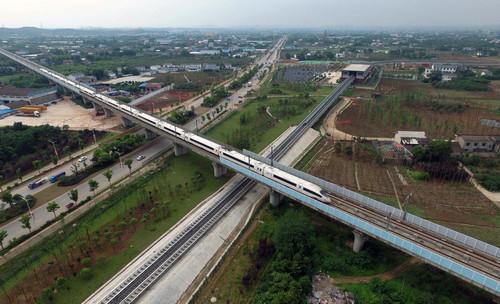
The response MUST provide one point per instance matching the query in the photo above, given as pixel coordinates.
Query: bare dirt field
(68, 113)
(166, 101)
(456, 205)
(412, 105)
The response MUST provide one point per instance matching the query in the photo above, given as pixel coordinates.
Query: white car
(140, 157)
(82, 159)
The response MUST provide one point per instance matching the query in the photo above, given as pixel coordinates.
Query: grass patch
(421, 284)
(417, 175)
(252, 123)
(163, 185)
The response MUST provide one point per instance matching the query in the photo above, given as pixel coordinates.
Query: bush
(86, 262)
(85, 273)
(47, 296)
(490, 181)
(418, 175)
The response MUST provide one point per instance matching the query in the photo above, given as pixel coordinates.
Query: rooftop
(357, 67)
(411, 134)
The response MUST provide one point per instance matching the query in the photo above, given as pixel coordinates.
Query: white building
(410, 137)
(448, 70)
(359, 71)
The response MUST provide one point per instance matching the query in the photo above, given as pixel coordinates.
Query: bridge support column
(219, 170)
(127, 123)
(274, 198)
(108, 112)
(359, 240)
(149, 134)
(86, 101)
(98, 109)
(179, 149)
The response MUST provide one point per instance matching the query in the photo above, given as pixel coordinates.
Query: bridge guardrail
(386, 209)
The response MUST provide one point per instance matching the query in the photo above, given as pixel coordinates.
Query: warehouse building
(18, 97)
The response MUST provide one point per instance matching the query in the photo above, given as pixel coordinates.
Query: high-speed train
(307, 188)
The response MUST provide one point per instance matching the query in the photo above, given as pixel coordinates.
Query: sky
(245, 13)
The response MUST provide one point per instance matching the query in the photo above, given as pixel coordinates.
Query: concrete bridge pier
(179, 149)
(127, 123)
(274, 198)
(98, 108)
(149, 134)
(86, 101)
(108, 112)
(219, 170)
(359, 240)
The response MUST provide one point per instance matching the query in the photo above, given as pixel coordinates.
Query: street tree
(93, 185)
(73, 195)
(37, 164)
(128, 163)
(7, 198)
(25, 222)
(3, 235)
(19, 175)
(108, 174)
(52, 207)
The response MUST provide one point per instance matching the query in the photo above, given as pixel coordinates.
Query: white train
(277, 175)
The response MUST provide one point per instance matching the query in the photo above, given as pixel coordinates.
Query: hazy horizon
(355, 14)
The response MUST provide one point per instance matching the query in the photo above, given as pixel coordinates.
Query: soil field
(203, 80)
(166, 101)
(456, 205)
(412, 105)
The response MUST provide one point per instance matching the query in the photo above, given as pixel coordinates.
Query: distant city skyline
(256, 13)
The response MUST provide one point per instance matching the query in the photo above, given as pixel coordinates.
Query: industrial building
(359, 71)
(19, 97)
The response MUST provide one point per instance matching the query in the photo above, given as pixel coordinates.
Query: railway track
(480, 261)
(131, 288)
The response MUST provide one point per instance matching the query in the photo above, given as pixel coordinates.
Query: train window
(284, 180)
(311, 192)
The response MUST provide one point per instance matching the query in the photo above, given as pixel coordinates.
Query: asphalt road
(238, 96)
(41, 215)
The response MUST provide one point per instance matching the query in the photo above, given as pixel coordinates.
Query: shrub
(86, 262)
(85, 273)
(47, 296)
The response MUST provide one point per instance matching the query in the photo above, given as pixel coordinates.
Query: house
(192, 67)
(210, 67)
(448, 70)
(410, 138)
(479, 143)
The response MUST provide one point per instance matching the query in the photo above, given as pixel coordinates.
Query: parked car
(69, 205)
(140, 157)
(82, 159)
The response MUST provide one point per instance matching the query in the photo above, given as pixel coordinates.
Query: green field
(261, 129)
(112, 64)
(107, 217)
(420, 284)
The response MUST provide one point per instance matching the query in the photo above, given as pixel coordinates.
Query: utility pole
(405, 203)
(55, 150)
(93, 134)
